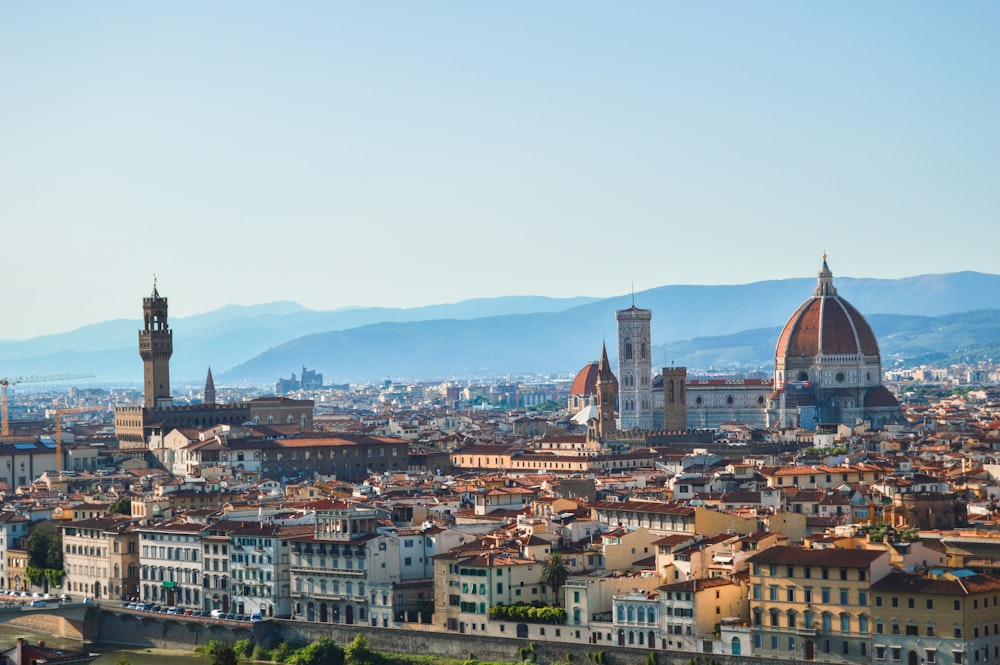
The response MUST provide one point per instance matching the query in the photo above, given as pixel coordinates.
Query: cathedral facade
(827, 371)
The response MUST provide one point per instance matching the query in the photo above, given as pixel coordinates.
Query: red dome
(880, 397)
(826, 324)
(585, 382)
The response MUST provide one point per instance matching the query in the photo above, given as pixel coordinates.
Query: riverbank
(109, 653)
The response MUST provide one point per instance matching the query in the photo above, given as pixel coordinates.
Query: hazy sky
(408, 153)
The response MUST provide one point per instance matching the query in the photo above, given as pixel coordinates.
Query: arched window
(652, 615)
(631, 613)
(640, 615)
(845, 623)
(734, 648)
(628, 349)
(774, 618)
(621, 613)
(791, 618)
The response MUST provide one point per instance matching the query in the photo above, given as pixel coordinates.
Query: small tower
(605, 386)
(209, 388)
(635, 368)
(674, 399)
(156, 345)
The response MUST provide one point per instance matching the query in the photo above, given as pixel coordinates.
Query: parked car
(38, 603)
(256, 616)
(216, 614)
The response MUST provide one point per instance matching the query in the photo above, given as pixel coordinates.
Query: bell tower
(605, 397)
(156, 345)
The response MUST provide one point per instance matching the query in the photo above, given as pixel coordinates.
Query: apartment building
(814, 604)
(936, 618)
(101, 558)
(171, 564)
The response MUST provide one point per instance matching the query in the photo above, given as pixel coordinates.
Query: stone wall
(176, 633)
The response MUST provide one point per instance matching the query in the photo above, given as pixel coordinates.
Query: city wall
(187, 634)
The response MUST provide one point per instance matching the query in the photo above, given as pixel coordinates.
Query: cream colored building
(100, 558)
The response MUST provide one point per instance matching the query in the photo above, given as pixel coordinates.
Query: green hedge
(528, 613)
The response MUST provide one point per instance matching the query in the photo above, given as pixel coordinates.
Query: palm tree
(555, 572)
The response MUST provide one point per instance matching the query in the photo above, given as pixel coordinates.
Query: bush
(528, 613)
(243, 648)
(322, 652)
(210, 647)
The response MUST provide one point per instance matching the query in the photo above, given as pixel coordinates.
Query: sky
(410, 153)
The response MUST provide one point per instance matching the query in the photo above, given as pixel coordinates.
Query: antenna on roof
(633, 295)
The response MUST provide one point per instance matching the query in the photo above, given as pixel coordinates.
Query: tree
(555, 572)
(358, 653)
(122, 506)
(224, 655)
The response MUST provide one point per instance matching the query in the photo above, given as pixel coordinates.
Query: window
(789, 571)
(845, 623)
(957, 604)
(911, 628)
(896, 653)
(863, 598)
(895, 601)
(807, 594)
(789, 594)
(930, 629)
(931, 656)
(879, 653)
(878, 601)
(843, 573)
(772, 593)
(756, 592)
(956, 656)
(911, 603)
(844, 595)
(825, 594)
(862, 624)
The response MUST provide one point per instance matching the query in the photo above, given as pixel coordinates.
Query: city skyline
(401, 156)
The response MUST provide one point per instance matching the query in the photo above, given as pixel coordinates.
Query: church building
(827, 371)
(145, 426)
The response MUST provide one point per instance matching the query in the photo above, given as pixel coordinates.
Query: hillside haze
(726, 328)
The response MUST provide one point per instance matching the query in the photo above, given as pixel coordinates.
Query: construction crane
(60, 462)
(4, 382)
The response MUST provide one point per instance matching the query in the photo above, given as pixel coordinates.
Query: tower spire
(209, 387)
(824, 286)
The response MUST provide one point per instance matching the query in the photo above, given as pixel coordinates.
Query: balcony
(339, 572)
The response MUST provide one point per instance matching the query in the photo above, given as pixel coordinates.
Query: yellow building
(939, 618)
(814, 604)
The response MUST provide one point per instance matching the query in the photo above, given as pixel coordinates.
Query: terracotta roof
(826, 324)
(782, 554)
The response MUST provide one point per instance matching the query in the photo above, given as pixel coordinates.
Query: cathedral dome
(585, 382)
(826, 325)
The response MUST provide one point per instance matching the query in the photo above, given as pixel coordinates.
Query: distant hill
(923, 317)
(543, 343)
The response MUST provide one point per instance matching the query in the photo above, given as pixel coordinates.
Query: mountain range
(924, 319)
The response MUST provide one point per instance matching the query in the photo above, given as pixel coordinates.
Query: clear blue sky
(408, 153)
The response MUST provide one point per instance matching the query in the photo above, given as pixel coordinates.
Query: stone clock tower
(156, 345)
(635, 368)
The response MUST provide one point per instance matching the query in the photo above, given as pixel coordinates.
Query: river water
(109, 652)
